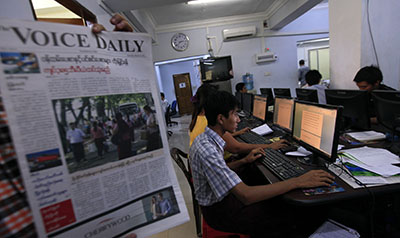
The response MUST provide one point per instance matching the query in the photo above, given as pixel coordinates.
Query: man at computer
(241, 88)
(370, 78)
(227, 203)
(313, 78)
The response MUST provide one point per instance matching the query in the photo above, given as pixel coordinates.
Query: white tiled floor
(180, 139)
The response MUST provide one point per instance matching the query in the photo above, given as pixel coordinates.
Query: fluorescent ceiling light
(206, 1)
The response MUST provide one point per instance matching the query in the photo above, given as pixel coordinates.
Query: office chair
(208, 232)
(168, 117)
(173, 108)
(178, 156)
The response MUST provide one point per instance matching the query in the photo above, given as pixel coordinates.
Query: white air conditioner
(265, 57)
(239, 33)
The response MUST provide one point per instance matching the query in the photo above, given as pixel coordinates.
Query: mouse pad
(334, 188)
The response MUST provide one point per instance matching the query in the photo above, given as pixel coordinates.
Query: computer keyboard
(250, 123)
(281, 166)
(253, 138)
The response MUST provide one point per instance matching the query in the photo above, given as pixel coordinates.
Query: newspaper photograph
(85, 116)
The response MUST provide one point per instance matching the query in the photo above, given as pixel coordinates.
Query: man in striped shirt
(227, 203)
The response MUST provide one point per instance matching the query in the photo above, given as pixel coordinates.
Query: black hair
(370, 74)
(162, 95)
(301, 62)
(313, 77)
(122, 125)
(147, 108)
(220, 102)
(239, 87)
(199, 100)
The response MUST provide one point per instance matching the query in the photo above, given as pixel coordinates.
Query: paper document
(300, 152)
(333, 229)
(367, 135)
(262, 130)
(376, 160)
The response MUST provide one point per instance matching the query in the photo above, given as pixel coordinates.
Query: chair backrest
(178, 156)
(168, 114)
(173, 107)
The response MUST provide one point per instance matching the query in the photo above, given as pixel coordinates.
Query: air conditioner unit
(239, 33)
(265, 57)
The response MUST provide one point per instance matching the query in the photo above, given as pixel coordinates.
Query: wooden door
(183, 93)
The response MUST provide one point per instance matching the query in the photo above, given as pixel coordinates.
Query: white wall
(167, 82)
(283, 72)
(344, 39)
(17, 9)
(384, 19)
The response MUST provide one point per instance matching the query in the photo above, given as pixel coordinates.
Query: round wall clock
(180, 42)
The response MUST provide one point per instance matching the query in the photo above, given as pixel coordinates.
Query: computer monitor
(238, 96)
(355, 113)
(315, 126)
(387, 107)
(283, 113)
(268, 92)
(247, 102)
(282, 92)
(308, 95)
(216, 68)
(260, 107)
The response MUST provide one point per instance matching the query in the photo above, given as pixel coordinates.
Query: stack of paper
(262, 130)
(376, 160)
(366, 135)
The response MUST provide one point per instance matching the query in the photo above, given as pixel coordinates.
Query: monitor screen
(387, 107)
(355, 107)
(216, 68)
(309, 95)
(315, 126)
(260, 107)
(268, 92)
(283, 113)
(282, 92)
(238, 96)
(247, 102)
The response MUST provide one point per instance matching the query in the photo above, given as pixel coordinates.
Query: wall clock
(180, 42)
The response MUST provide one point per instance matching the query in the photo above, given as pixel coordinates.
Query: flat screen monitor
(387, 107)
(308, 95)
(238, 96)
(216, 68)
(260, 107)
(315, 126)
(283, 113)
(282, 92)
(268, 92)
(247, 102)
(355, 113)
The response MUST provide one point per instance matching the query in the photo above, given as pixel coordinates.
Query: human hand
(242, 131)
(118, 21)
(277, 145)
(254, 155)
(131, 235)
(314, 178)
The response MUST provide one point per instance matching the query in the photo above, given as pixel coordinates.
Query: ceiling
(167, 14)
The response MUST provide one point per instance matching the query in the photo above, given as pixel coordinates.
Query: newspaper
(57, 83)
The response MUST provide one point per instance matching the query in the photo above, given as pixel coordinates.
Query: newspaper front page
(89, 131)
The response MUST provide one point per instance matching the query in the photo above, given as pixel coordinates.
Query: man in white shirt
(164, 103)
(75, 138)
(302, 73)
(313, 78)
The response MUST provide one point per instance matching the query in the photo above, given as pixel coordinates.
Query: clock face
(180, 42)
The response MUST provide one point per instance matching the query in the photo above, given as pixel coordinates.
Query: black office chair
(178, 157)
(168, 117)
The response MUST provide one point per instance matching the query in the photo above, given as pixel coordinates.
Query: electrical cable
(371, 194)
(372, 37)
